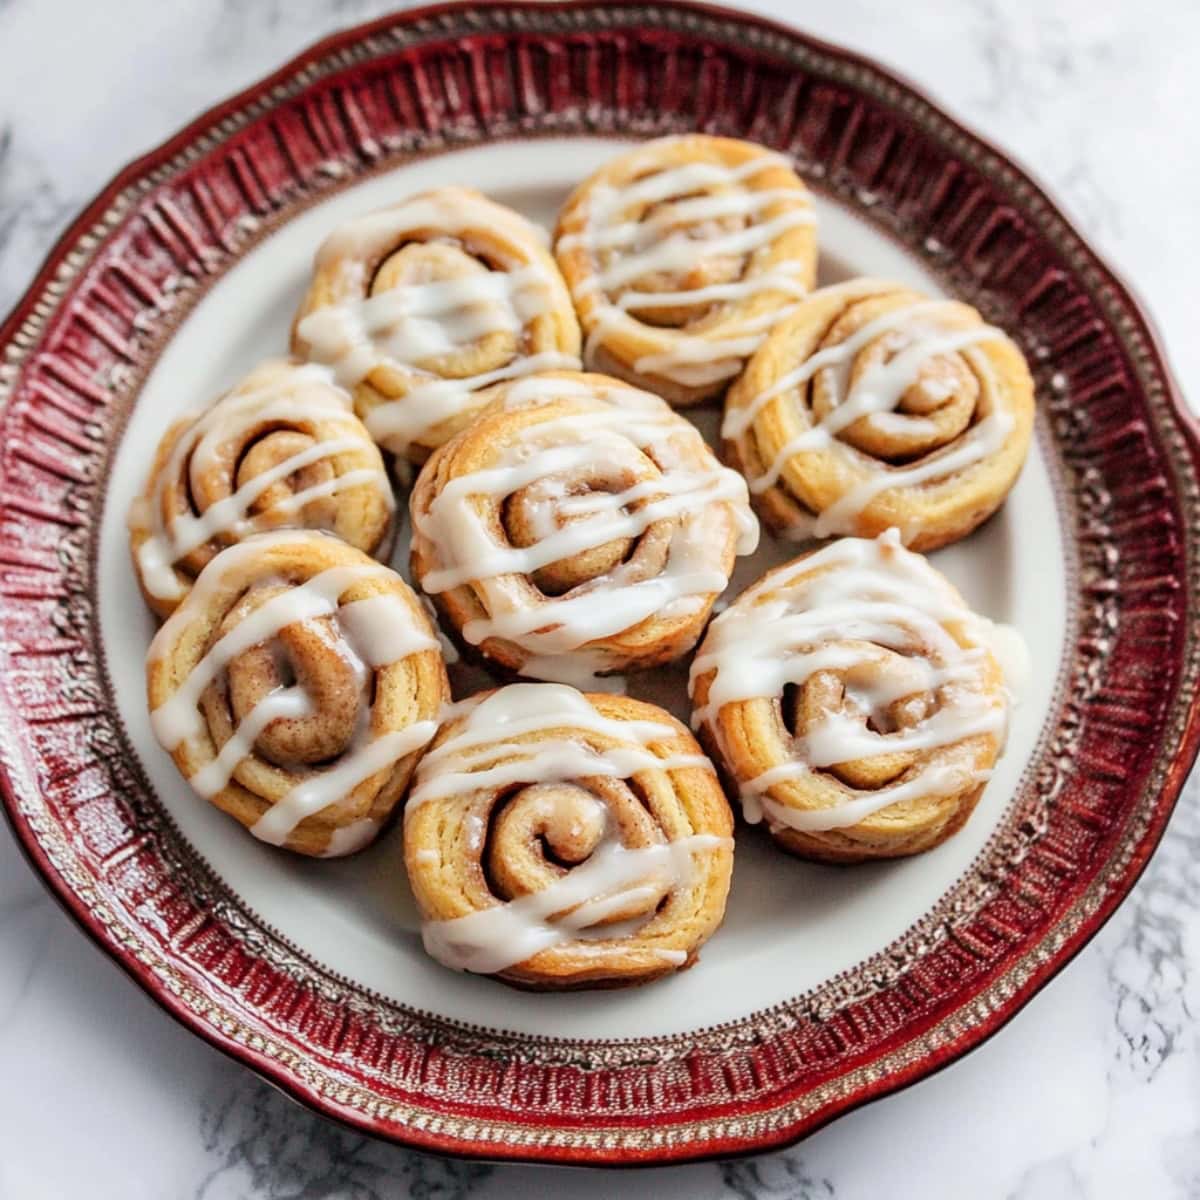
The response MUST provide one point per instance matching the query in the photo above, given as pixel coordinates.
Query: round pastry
(562, 840)
(282, 449)
(853, 701)
(295, 688)
(680, 255)
(421, 307)
(576, 528)
(872, 407)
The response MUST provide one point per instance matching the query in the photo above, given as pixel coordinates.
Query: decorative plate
(825, 987)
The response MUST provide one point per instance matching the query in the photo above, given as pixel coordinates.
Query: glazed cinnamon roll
(680, 255)
(295, 688)
(872, 406)
(562, 840)
(282, 449)
(421, 307)
(578, 527)
(854, 702)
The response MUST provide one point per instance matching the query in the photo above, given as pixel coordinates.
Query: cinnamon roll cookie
(295, 688)
(283, 449)
(853, 702)
(872, 407)
(562, 840)
(421, 307)
(576, 528)
(681, 255)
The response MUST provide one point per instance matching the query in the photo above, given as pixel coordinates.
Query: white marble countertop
(1091, 1092)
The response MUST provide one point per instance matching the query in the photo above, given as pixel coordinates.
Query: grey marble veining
(1091, 1093)
(261, 1144)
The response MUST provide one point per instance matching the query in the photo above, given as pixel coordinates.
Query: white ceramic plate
(789, 925)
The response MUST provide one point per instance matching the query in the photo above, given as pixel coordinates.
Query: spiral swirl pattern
(680, 255)
(872, 407)
(295, 688)
(281, 450)
(562, 840)
(578, 527)
(854, 702)
(422, 307)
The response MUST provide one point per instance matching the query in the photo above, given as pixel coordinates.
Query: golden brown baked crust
(624, 442)
(931, 742)
(744, 222)
(511, 312)
(355, 694)
(209, 461)
(473, 844)
(934, 464)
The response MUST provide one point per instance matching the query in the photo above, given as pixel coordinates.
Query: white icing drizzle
(524, 708)
(696, 361)
(659, 244)
(399, 423)
(496, 938)
(881, 617)
(375, 632)
(980, 442)
(677, 250)
(875, 396)
(381, 630)
(409, 327)
(937, 781)
(613, 878)
(555, 631)
(350, 838)
(781, 279)
(198, 450)
(327, 787)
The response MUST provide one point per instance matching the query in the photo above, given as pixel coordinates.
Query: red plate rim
(430, 1135)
